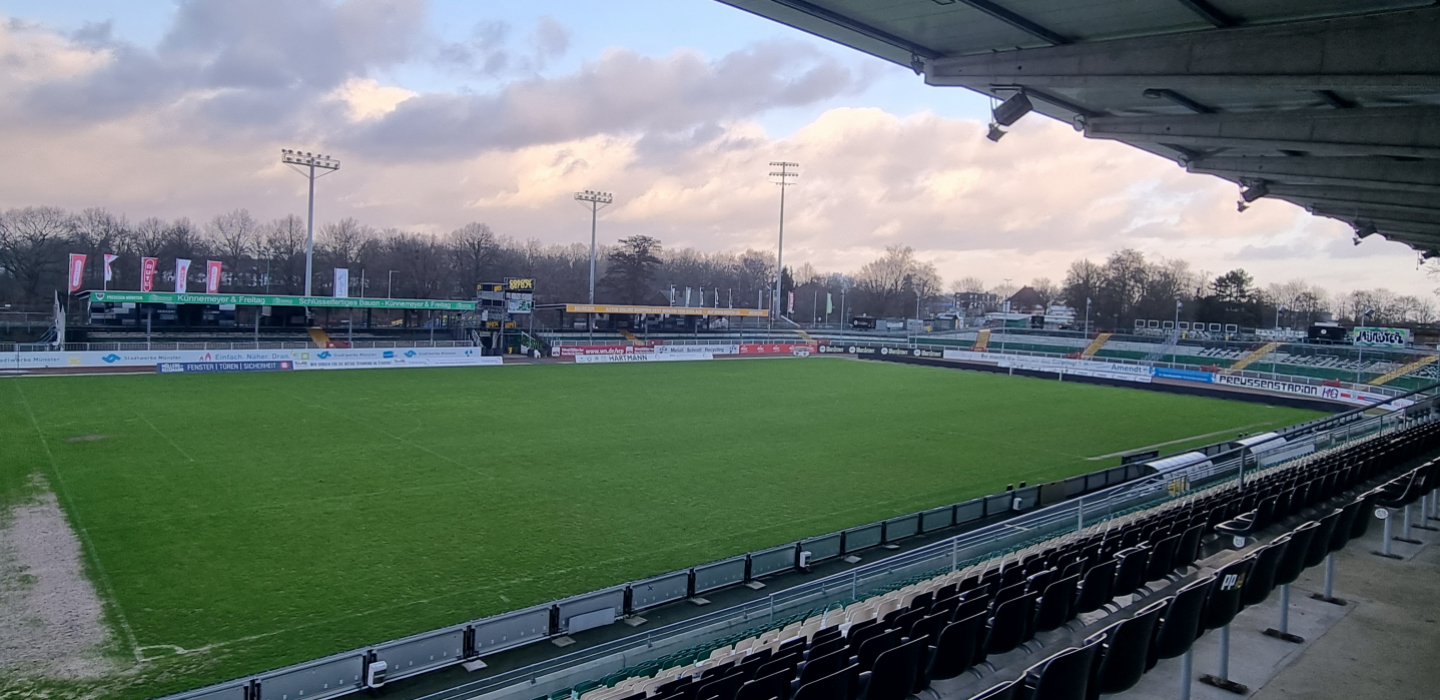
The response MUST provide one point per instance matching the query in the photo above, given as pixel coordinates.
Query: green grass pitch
(271, 518)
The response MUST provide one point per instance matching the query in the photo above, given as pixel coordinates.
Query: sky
(452, 111)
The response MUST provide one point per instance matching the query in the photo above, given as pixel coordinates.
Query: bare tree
(32, 248)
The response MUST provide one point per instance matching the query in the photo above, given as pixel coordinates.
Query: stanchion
(1187, 669)
(1329, 595)
(1405, 531)
(1283, 633)
(1384, 515)
(1221, 679)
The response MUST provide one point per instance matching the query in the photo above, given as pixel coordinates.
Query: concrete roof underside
(1333, 105)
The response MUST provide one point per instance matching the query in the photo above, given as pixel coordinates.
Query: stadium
(488, 481)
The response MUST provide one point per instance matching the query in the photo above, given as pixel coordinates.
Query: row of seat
(897, 643)
(1114, 659)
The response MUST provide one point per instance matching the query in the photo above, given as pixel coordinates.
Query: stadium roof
(1333, 105)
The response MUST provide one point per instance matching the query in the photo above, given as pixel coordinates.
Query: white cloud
(695, 176)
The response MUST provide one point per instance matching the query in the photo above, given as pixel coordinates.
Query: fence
(261, 345)
(1089, 498)
(1294, 379)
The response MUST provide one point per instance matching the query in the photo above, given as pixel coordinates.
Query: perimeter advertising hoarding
(301, 359)
(644, 357)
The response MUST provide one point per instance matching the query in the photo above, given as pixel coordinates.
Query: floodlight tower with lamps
(597, 201)
(310, 161)
(784, 177)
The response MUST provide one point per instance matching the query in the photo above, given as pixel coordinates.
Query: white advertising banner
(342, 283)
(1328, 393)
(644, 357)
(303, 359)
(692, 349)
(1060, 365)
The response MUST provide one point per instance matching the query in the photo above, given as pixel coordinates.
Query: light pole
(310, 161)
(390, 284)
(597, 201)
(1278, 309)
(1087, 317)
(1177, 318)
(1365, 317)
(784, 177)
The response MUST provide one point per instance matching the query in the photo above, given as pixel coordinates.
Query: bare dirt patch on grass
(51, 620)
(92, 437)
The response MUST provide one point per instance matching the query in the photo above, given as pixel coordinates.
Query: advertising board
(733, 349)
(299, 359)
(644, 357)
(577, 350)
(1328, 393)
(796, 349)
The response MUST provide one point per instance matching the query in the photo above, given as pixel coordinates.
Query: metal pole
(148, 313)
(1285, 608)
(594, 215)
(1405, 531)
(1224, 653)
(780, 254)
(1385, 548)
(310, 234)
(1187, 669)
(258, 311)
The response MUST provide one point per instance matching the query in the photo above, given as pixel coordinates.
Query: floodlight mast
(784, 177)
(597, 201)
(310, 161)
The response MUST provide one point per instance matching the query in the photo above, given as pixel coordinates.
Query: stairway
(320, 337)
(631, 338)
(1396, 374)
(1095, 345)
(1247, 360)
(982, 340)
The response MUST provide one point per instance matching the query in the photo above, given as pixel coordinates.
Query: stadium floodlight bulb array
(308, 159)
(596, 197)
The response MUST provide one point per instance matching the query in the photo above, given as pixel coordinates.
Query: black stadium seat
(956, 650)
(1064, 676)
(1125, 650)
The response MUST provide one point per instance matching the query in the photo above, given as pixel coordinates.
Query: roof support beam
(1410, 132)
(1420, 176)
(1383, 51)
(1017, 21)
(841, 21)
(1413, 202)
(1209, 12)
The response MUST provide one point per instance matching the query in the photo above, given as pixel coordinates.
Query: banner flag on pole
(829, 303)
(109, 258)
(790, 308)
(212, 276)
(77, 272)
(148, 267)
(182, 275)
(342, 282)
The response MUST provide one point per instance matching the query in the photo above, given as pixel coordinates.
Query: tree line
(269, 257)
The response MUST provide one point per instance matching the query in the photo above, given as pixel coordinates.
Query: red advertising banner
(77, 271)
(212, 276)
(574, 350)
(797, 349)
(148, 267)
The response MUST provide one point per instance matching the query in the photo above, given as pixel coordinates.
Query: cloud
(191, 128)
(622, 92)
(224, 64)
